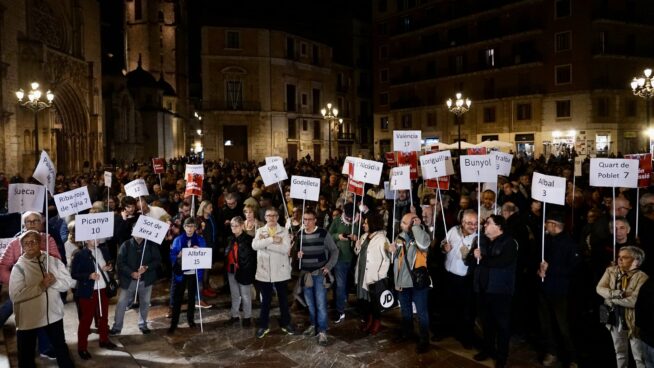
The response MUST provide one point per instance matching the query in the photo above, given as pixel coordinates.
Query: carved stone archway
(73, 143)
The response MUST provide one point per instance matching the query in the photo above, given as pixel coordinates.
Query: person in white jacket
(272, 244)
(37, 303)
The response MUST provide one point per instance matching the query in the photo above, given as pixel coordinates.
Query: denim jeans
(340, 292)
(6, 310)
(266, 289)
(316, 298)
(126, 297)
(419, 297)
(648, 353)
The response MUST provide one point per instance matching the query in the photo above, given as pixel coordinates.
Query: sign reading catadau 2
(478, 168)
(136, 188)
(613, 172)
(196, 258)
(368, 171)
(94, 226)
(45, 172)
(407, 140)
(25, 197)
(304, 187)
(194, 169)
(72, 201)
(400, 178)
(503, 163)
(434, 165)
(272, 173)
(548, 189)
(107, 179)
(4, 243)
(151, 229)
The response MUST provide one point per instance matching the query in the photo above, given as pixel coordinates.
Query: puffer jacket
(33, 306)
(377, 260)
(608, 289)
(273, 262)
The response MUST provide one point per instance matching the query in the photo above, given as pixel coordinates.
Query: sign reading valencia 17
(478, 168)
(613, 172)
(367, 171)
(406, 141)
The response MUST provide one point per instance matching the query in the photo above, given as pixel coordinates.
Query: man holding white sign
(185, 279)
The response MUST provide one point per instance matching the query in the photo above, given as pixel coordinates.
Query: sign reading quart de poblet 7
(613, 172)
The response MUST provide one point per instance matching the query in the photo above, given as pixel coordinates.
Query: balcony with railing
(346, 138)
(231, 105)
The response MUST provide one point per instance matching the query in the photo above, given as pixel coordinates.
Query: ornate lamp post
(642, 87)
(458, 107)
(35, 104)
(330, 114)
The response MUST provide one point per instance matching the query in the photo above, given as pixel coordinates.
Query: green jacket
(345, 251)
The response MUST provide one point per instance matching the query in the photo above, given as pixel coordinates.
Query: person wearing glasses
(458, 281)
(494, 284)
(272, 244)
(317, 256)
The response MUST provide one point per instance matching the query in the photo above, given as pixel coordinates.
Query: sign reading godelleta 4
(304, 187)
(613, 172)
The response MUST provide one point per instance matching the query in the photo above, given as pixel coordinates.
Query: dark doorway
(316, 153)
(292, 151)
(236, 142)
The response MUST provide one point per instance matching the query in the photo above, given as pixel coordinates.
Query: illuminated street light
(35, 104)
(642, 87)
(458, 107)
(330, 114)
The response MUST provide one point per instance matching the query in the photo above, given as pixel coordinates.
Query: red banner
(193, 185)
(644, 168)
(477, 151)
(390, 159)
(355, 187)
(409, 159)
(158, 165)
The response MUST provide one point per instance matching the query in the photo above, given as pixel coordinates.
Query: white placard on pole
(107, 179)
(196, 258)
(613, 172)
(407, 140)
(400, 178)
(136, 188)
(368, 171)
(194, 169)
(94, 226)
(304, 187)
(45, 172)
(349, 160)
(578, 162)
(4, 243)
(388, 192)
(548, 189)
(151, 229)
(72, 201)
(433, 165)
(503, 163)
(272, 174)
(478, 168)
(25, 197)
(274, 159)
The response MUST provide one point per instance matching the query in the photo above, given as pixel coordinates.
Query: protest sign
(25, 197)
(613, 172)
(73, 201)
(644, 168)
(151, 229)
(434, 164)
(4, 243)
(478, 168)
(194, 169)
(547, 188)
(107, 179)
(400, 178)
(272, 173)
(196, 258)
(407, 140)
(503, 163)
(303, 187)
(409, 159)
(94, 226)
(158, 165)
(136, 188)
(45, 172)
(368, 171)
(193, 185)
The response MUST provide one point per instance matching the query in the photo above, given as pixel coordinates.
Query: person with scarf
(184, 279)
(619, 287)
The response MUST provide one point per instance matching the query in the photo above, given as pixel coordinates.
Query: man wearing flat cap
(556, 271)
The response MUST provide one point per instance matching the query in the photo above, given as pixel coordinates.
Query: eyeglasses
(30, 222)
(235, 225)
(272, 216)
(309, 219)
(30, 243)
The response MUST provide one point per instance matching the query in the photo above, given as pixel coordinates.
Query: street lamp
(330, 113)
(199, 147)
(458, 107)
(642, 87)
(35, 104)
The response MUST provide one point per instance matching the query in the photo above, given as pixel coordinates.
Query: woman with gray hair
(619, 287)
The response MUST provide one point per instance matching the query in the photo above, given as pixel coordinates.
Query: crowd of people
(442, 257)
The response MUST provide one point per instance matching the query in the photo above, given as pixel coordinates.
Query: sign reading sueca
(25, 197)
(503, 163)
(548, 189)
(434, 164)
(94, 226)
(478, 168)
(400, 178)
(151, 229)
(45, 172)
(407, 140)
(136, 188)
(4, 243)
(194, 169)
(272, 173)
(304, 187)
(107, 179)
(368, 171)
(613, 172)
(196, 258)
(72, 201)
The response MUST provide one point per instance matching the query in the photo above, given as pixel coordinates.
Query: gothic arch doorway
(72, 137)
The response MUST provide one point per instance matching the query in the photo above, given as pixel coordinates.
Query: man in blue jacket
(185, 278)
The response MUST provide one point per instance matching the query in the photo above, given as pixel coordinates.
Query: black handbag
(420, 277)
(607, 315)
(381, 294)
(112, 286)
